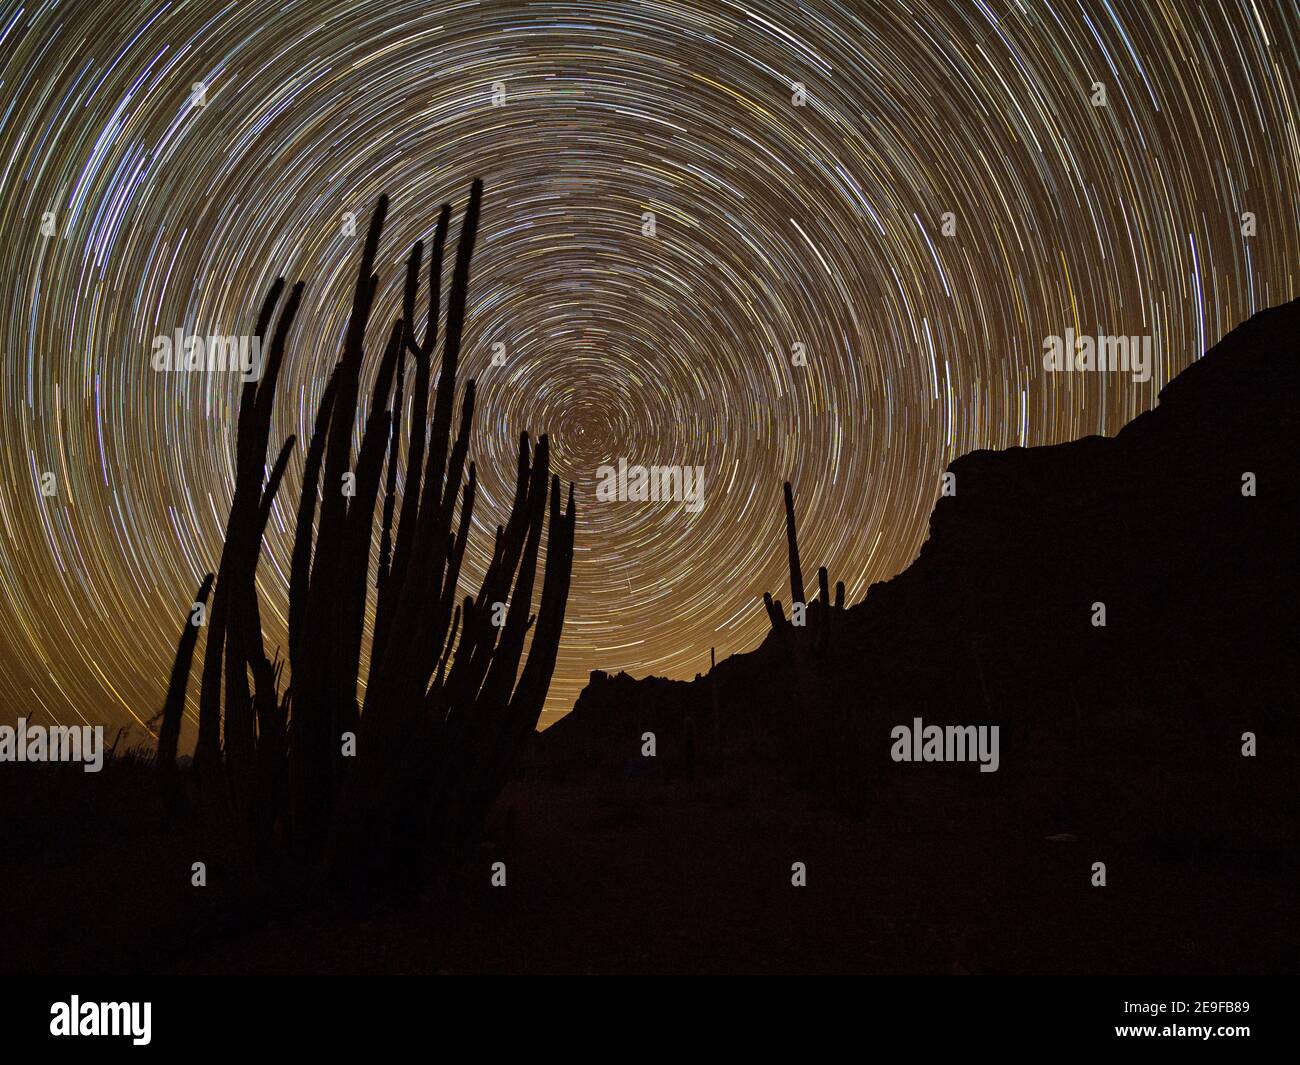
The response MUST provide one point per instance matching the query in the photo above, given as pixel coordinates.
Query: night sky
(775, 225)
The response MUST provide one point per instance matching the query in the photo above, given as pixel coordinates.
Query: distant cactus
(442, 718)
(792, 544)
(821, 612)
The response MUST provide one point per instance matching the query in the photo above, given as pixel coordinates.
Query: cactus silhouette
(446, 706)
(792, 545)
(820, 611)
(169, 733)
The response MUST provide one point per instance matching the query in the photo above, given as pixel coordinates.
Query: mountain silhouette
(1183, 525)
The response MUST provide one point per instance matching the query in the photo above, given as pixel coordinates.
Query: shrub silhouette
(446, 706)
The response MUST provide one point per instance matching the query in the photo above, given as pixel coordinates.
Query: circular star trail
(686, 202)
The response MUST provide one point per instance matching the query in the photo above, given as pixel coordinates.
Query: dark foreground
(945, 873)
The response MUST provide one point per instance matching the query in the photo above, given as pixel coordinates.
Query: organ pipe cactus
(446, 707)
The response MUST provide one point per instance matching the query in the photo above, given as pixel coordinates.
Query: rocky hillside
(994, 621)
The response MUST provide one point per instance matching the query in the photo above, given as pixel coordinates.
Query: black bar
(202, 1016)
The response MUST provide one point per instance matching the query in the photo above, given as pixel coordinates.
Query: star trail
(819, 242)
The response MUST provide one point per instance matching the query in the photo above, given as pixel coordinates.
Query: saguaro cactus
(446, 707)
